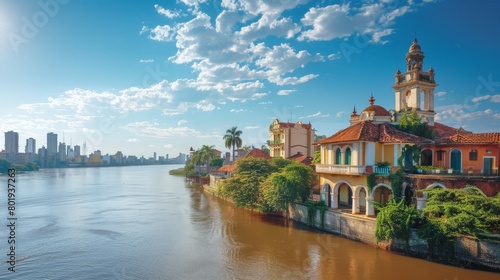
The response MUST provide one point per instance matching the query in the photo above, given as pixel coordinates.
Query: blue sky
(164, 76)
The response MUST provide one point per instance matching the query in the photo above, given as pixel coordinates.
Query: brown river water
(139, 222)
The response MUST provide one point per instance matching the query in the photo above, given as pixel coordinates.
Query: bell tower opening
(414, 89)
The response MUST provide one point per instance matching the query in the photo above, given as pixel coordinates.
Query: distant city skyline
(163, 76)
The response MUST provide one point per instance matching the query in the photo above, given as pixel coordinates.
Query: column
(355, 204)
(334, 198)
(370, 209)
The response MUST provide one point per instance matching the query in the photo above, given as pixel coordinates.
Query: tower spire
(372, 100)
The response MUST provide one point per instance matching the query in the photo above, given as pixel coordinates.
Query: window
(473, 154)
(347, 159)
(338, 156)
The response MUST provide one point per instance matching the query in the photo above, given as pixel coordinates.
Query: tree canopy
(412, 123)
(268, 185)
(233, 139)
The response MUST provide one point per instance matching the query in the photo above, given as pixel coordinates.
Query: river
(139, 222)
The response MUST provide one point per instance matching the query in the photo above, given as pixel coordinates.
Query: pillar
(370, 209)
(421, 203)
(355, 204)
(334, 200)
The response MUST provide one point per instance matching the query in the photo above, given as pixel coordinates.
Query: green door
(456, 161)
(488, 166)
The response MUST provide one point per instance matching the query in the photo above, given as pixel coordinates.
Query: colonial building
(287, 139)
(373, 144)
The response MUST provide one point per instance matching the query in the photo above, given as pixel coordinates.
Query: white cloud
(181, 122)
(133, 140)
(317, 115)
(481, 98)
(163, 33)
(153, 129)
(495, 98)
(168, 13)
(286, 91)
(237, 110)
(252, 127)
(340, 114)
(441, 93)
(266, 102)
(342, 21)
(168, 146)
(146, 60)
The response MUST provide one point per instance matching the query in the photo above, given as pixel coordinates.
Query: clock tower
(415, 88)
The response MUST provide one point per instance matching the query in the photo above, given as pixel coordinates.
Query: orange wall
(466, 163)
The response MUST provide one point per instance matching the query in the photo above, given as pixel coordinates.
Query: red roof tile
(227, 168)
(441, 130)
(379, 110)
(471, 138)
(367, 131)
(257, 153)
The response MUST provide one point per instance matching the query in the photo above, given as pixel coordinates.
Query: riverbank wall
(468, 251)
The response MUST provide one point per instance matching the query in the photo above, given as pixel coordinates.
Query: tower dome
(415, 47)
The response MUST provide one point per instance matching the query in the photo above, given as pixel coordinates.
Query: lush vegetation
(217, 161)
(394, 220)
(448, 213)
(5, 165)
(410, 122)
(268, 185)
(452, 212)
(177, 172)
(204, 155)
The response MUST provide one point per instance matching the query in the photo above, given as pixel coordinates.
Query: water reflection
(256, 246)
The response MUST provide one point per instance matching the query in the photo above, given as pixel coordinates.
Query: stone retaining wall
(360, 228)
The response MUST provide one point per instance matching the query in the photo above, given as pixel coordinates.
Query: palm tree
(195, 158)
(207, 153)
(233, 139)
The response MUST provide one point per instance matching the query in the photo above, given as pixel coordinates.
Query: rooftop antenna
(291, 115)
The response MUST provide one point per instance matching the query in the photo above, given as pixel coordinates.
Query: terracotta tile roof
(379, 110)
(390, 134)
(299, 157)
(441, 130)
(227, 168)
(367, 131)
(257, 153)
(471, 138)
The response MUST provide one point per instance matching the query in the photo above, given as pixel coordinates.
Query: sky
(164, 76)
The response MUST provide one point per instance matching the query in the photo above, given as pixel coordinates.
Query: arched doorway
(426, 158)
(345, 196)
(456, 161)
(382, 194)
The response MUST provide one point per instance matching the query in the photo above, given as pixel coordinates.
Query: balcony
(341, 169)
(274, 143)
(381, 169)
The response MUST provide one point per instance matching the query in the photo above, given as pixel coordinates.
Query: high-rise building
(77, 150)
(30, 149)
(42, 156)
(51, 144)
(11, 142)
(62, 151)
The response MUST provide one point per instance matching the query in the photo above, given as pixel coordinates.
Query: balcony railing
(382, 169)
(274, 143)
(341, 169)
